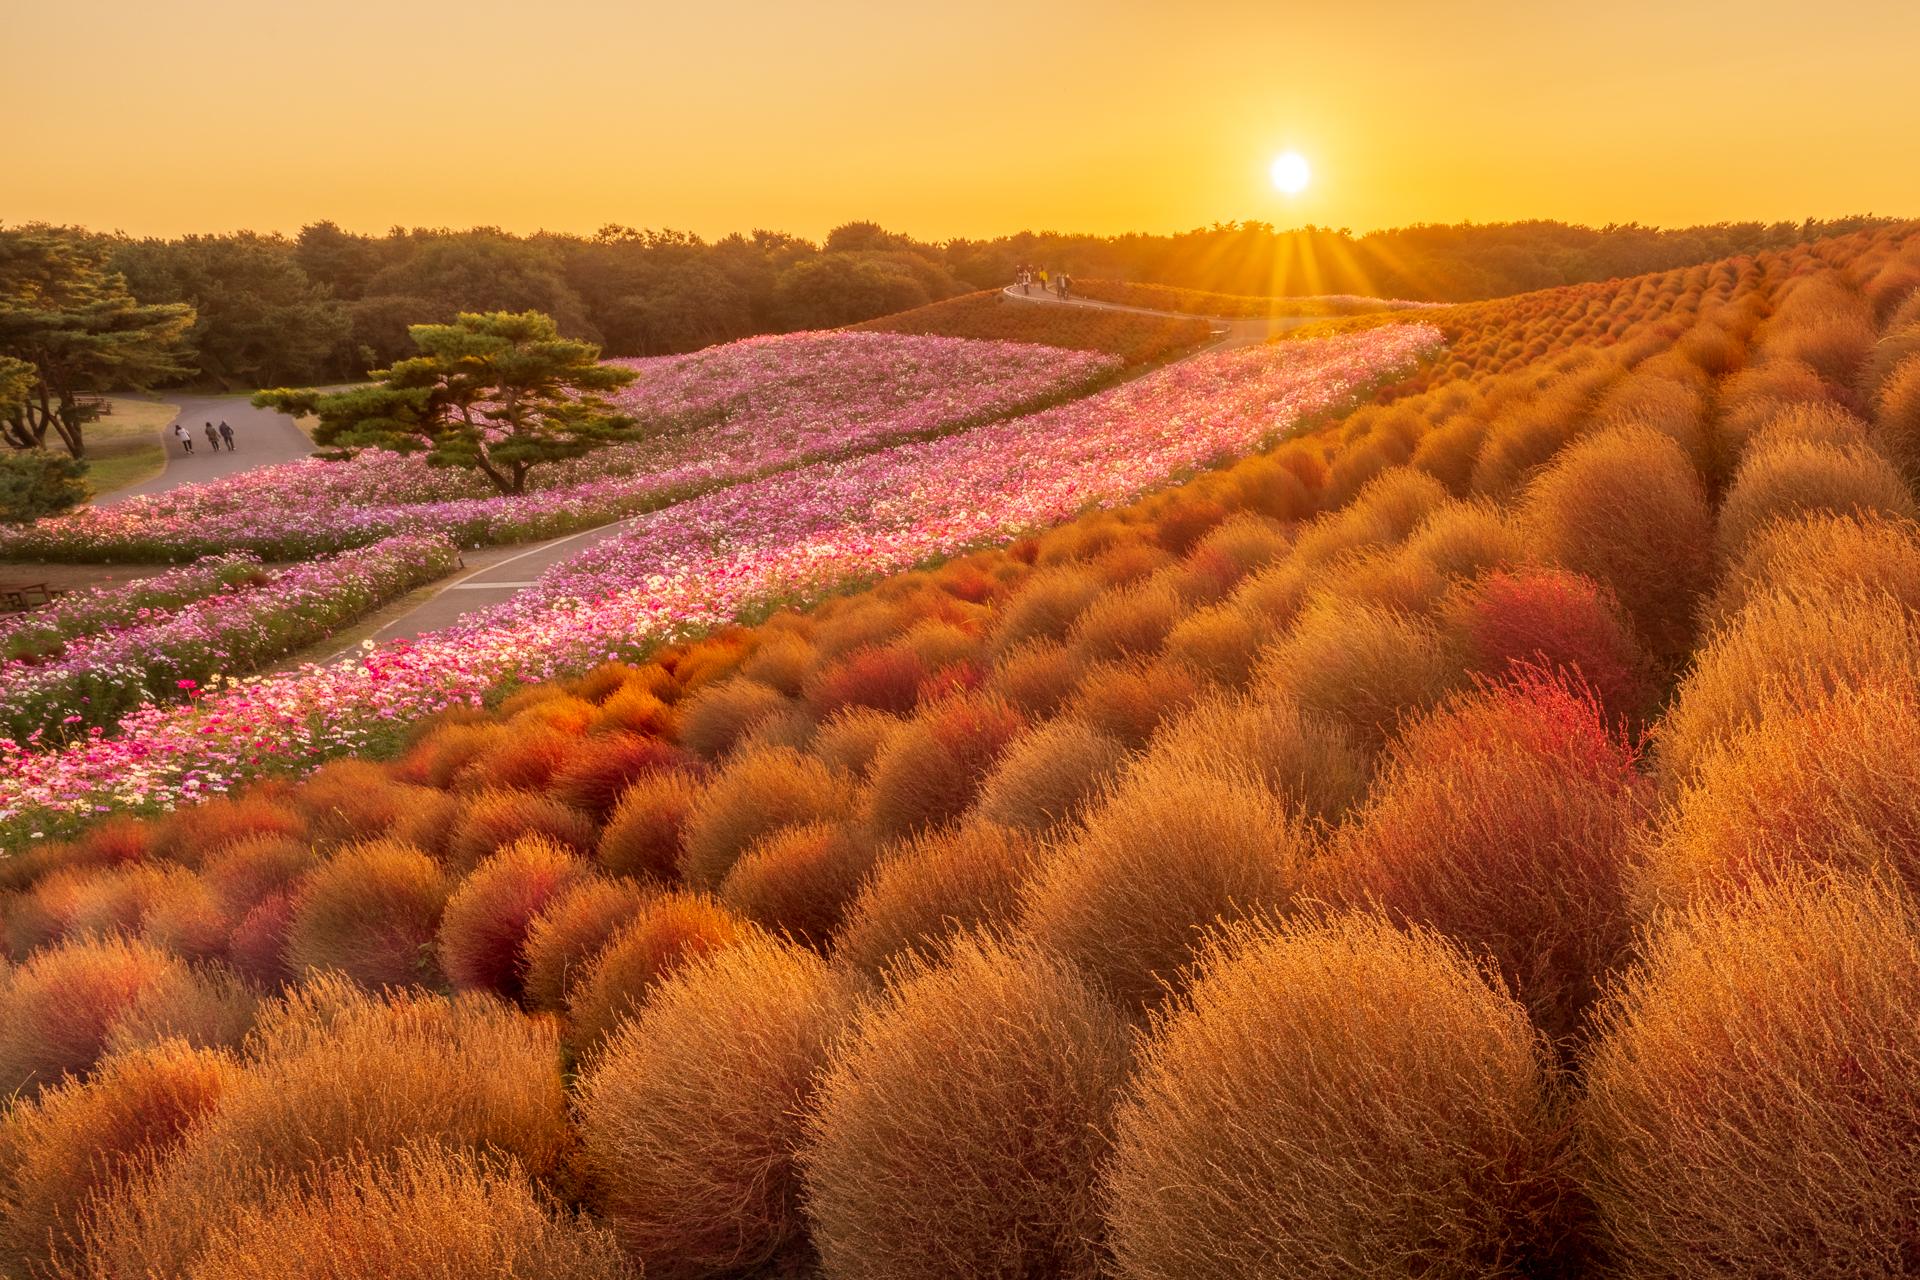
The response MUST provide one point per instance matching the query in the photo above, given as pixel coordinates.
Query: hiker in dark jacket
(213, 438)
(226, 434)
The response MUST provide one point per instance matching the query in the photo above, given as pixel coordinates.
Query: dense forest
(330, 304)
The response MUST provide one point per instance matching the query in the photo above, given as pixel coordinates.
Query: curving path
(261, 437)
(1228, 332)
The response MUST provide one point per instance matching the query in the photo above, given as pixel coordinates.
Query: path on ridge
(261, 438)
(1228, 332)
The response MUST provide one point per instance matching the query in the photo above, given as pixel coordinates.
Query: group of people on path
(216, 436)
(1060, 282)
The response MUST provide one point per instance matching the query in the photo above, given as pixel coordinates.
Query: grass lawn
(123, 447)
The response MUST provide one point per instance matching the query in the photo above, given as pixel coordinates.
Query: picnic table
(28, 595)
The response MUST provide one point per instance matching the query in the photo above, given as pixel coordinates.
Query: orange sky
(976, 119)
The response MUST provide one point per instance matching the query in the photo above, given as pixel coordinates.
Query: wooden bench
(31, 595)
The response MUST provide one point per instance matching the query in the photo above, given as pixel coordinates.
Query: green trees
(35, 483)
(497, 392)
(71, 319)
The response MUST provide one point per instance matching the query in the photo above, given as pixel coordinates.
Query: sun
(1290, 172)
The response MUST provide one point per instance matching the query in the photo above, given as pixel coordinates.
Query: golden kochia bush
(1896, 418)
(1307, 762)
(714, 720)
(370, 912)
(960, 1127)
(1220, 644)
(691, 1116)
(59, 1008)
(571, 931)
(1125, 622)
(645, 839)
(1835, 783)
(853, 740)
(755, 795)
(1363, 667)
(190, 835)
(1044, 608)
(349, 800)
(1751, 1103)
(800, 880)
(85, 1139)
(1784, 479)
(1625, 507)
(1049, 775)
(1785, 649)
(1129, 701)
(489, 913)
(496, 818)
(1334, 1101)
(666, 933)
(1504, 822)
(337, 1073)
(1824, 554)
(1171, 852)
(931, 771)
(425, 1214)
(934, 887)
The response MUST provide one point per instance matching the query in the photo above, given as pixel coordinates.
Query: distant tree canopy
(330, 304)
(499, 393)
(70, 327)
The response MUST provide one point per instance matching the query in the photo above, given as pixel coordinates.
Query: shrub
(1464, 540)
(691, 1116)
(371, 913)
(667, 932)
(1218, 644)
(958, 1131)
(58, 1009)
(645, 838)
(713, 720)
(932, 889)
(1785, 479)
(932, 768)
(878, 677)
(1626, 509)
(1822, 554)
(85, 1139)
(495, 819)
(781, 661)
(603, 766)
(35, 484)
(1364, 668)
(428, 1214)
(635, 709)
(1785, 649)
(338, 1072)
(1834, 784)
(854, 739)
(1503, 822)
(524, 759)
(1306, 762)
(755, 795)
(1753, 1095)
(1044, 608)
(209, 1009)
(191, 834)
(183, 915)
(1896, 419)
(1334, 1100)
(1125, 622)
(569, 934)
(258, 948)
(489, 913)
(1171, 852)
(1818, 423)
(1048, 776)
(1036, 678)
(1129, 702)
(800, 880)
(1895, 347)
(244, 874)
(350, 800)
(1506, 623)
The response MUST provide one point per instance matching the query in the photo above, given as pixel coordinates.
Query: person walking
(1066, 285)
(186, 441)
(1043, 279)
(213, 438)
(226, 434)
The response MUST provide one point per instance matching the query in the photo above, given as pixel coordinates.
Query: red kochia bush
(190, 834)
(370, 912)
(932, 769)
(881, 678)
(1753, 1096)
(571, 931)
(1332, 1102)
(691, 1116)
(487, 918)
(603, 766)
(1503, 822)
(1554, 619)
(645, 837)
(960, 1128)
(495, 819)
(800, 880)
(59, 1008)
(1626, 509)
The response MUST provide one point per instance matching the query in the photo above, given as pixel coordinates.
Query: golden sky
(951, 120)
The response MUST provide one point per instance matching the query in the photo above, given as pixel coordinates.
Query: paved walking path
(1228, 331)
(261, 437)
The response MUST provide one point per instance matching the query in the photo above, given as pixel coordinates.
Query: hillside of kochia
(789, 535)
(1477, 834)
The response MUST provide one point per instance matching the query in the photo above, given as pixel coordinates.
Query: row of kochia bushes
(1185, 892)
